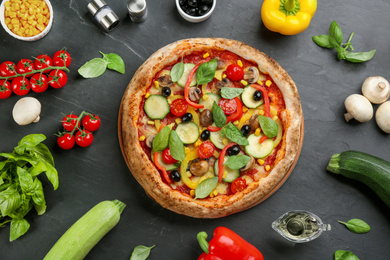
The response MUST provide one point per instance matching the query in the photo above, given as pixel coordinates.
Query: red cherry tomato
(167, 157)
(229, 106)
(206, 150)
(66, 141)
(235, 72)
(5, 89)
(43, 61)
(57, 78)
(25, 66)
(179, 107)
(238, 184)
(84, 138)
(38, 83)
(7, 69)
(20, 86)
(59, 57)
(91, 122)
(69, 122)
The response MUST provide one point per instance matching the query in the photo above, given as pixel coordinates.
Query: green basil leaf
(114, 62)
(10, 200)
(160, 142)
(24, 208)
(42, 152)
(93, 68)
(177, 71)
(38, 195)
(219, 116)
(237, 161)
(340, 53)
(25, 180)
(268, 126)
(206, 72)
(176, 146)
(335, 33)
(141, 252)
(18, 228)
(40, 209)
(357, 226)
(357, 57)
(234, 134)
(230, 93)
(205, 187)
(323, 41)
(28, 142)
(345, 255)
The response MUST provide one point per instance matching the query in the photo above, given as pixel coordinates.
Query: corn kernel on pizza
(210, 126)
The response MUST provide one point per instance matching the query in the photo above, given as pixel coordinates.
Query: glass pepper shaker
(104, 15)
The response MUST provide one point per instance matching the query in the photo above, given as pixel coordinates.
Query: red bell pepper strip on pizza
(213, 128)
(187, 87)
(165, 174)
(237, 114)
(227, 245)
(266, 98)
(263, 138)
(221, 160)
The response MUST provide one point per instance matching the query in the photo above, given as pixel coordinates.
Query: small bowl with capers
(195, 11)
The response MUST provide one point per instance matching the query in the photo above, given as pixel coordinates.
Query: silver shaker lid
(95, 5)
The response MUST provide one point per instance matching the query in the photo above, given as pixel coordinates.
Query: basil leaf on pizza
(206, 72)
(219, 116)
(237, 162)
(230, 93)
(205, 188)
(234, 134)
(160, 141)
(177, 71)
(268, 126)
(176, 146)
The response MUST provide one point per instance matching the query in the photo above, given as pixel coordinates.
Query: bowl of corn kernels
(26, 20)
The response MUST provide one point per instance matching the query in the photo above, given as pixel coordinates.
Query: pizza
(210, 126)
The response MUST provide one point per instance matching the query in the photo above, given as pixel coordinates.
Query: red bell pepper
(227, 245)
(265, 97)
(213, 128)
(237, 114)
(165, 174)
(187, 87)
(221, 160)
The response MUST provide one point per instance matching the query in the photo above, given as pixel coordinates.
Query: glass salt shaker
(300, 226)
(104, 15)
(137, 10)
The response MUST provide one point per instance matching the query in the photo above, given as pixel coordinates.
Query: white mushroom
(382, 117)
(26, 111)
(376, 89)
(358, 107)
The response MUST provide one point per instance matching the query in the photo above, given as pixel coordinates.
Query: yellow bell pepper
(288, 17)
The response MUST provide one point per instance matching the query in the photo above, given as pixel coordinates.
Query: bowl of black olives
(195, 11)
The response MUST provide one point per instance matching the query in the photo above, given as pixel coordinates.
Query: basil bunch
(334, 41)
(20, 188)
(97, 66)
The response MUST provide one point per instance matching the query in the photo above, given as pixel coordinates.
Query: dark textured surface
(90, 175)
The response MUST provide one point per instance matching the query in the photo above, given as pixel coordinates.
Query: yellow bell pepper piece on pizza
(288, 17)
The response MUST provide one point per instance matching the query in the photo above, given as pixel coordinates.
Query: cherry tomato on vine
(7, 69)
(43, 61)
(235, 72)
(91, 122)
(206, 150)
(238, 184)
(229, 106)
(59, 57)
(58, 78)
(38, 83)
(66, 141)
(5, 89)
(69, 122)
(25, 66)
(167, 157)
(20, 86)
(179, 107)
(84, 138)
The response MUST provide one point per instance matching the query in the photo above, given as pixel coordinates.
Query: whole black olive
(190, 11)
(175, 176)
(186, 118)
(166, 91)
(257, 95)
(205, 135)
(234, 150)
(192, 3)
(203, 9)
(245, 130)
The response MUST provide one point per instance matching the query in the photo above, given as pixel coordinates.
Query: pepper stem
(289, 7)
(201, 237)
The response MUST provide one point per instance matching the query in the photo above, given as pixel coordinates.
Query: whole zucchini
(366, 168)
(83, 235)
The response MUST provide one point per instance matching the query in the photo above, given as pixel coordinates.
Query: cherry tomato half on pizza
(229, 106)
(179, 107)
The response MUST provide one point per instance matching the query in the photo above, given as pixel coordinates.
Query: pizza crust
(145, 172)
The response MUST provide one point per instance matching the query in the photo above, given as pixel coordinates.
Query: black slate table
(90, 175)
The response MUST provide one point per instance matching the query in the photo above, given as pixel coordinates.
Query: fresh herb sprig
(97, 66)
(357, 226)
(335, 41)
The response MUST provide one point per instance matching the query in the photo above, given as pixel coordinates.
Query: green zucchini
(83, 235)
(366, 168)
